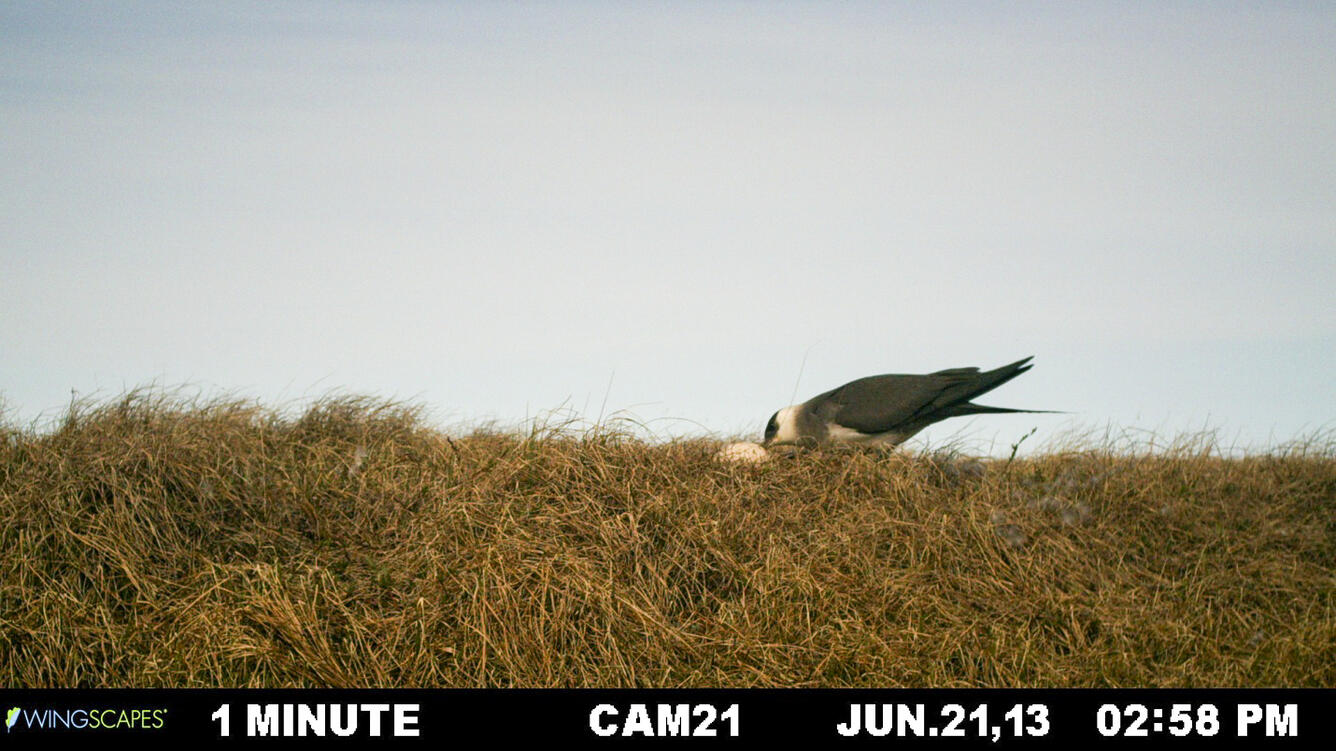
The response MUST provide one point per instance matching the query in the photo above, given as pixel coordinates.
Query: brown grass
(155, 542)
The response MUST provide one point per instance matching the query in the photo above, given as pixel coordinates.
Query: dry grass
(155, 542)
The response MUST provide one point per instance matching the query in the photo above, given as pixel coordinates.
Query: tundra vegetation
(154, 540)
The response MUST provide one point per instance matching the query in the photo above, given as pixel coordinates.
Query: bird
(886, 410)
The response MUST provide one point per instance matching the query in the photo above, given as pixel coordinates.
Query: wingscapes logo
(85, 719)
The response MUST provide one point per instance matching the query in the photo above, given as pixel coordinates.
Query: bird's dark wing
(885, 402)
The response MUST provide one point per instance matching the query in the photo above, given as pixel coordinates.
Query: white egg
(742, 451)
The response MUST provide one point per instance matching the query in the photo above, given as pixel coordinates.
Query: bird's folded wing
(880, 403)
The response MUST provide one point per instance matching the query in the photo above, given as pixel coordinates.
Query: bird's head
(781, 428)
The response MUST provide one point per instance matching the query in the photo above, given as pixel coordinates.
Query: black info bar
(926, 718)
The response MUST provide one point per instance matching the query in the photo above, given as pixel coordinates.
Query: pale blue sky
(495, 209)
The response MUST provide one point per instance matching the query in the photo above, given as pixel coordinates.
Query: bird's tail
(961, 410)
